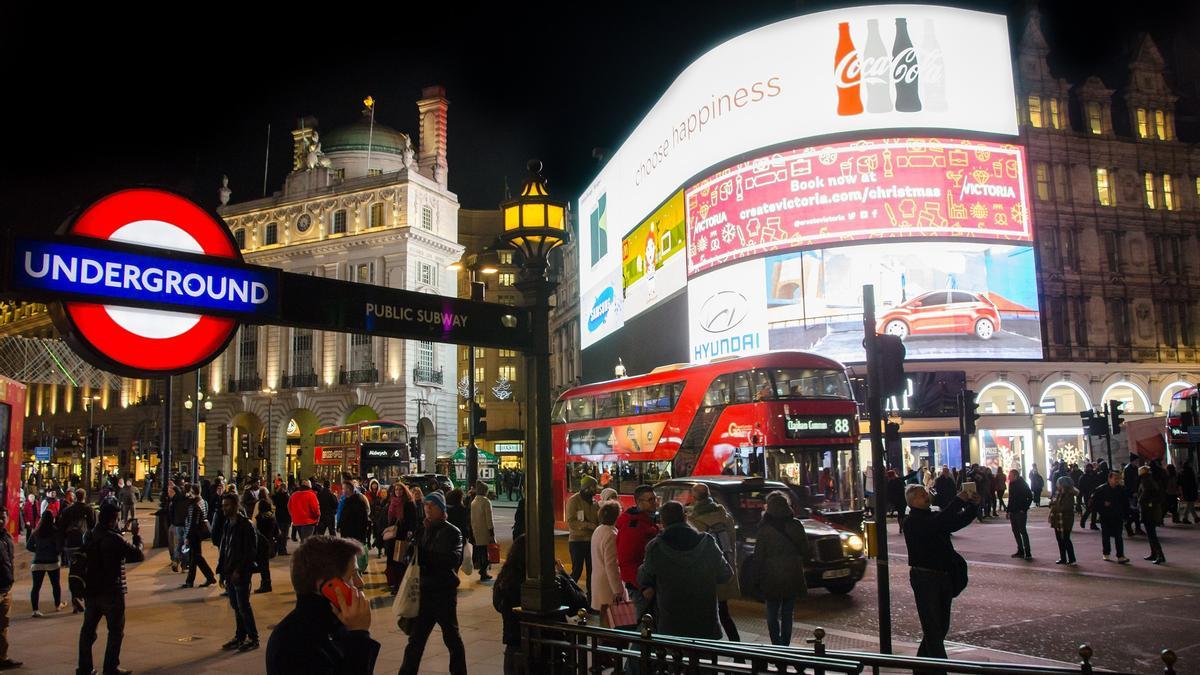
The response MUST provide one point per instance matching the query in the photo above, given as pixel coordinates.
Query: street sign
(42, 453)
(145, 283)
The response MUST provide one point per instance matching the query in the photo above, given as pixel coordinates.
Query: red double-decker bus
(12, 431)
(364, 450)
(1183, 414)
(785, 415)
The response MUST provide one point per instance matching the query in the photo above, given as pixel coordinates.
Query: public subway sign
(145, 282)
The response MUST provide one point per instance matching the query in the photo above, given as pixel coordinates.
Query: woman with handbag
(780, 551)
(401, 521)
(483, 529)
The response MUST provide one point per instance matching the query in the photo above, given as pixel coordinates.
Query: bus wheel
(840, 588)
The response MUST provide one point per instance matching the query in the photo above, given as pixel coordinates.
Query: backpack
(83, 577)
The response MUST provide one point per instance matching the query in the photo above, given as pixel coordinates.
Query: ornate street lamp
(536, 224)
(188, 405)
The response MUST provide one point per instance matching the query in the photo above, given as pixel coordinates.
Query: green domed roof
(356, 136)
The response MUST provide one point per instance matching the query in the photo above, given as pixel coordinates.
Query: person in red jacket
(304, 509)
(636, 527)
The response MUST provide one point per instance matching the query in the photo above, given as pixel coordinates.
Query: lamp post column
(196, 434)
(472, 450)
(539, 592)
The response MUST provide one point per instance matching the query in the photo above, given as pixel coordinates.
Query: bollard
(1168, 659)
(818, 643)
(1085, 656)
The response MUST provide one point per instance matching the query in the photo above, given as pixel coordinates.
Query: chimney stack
(431, 158)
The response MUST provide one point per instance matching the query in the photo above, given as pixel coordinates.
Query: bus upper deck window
(718, 392)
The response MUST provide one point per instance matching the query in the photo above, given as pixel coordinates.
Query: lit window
(1035, 111)
(1150, 200)
(505, 257)
(428, 274)
(1160, 125)
(362, 273)
(1103, 193)
(1168, 191)
(240, 235)
(340, 174)
(1142, 124)
(1093, 115)
(508, 353)
(507, 278)
(507, 373)
(374, 172)
(1055, 121)
(272, 234)
(427, 218)
(479, 374)
(1042, 178)
(425, 356)
(376, 215)
(1197, 181)
(338, 226)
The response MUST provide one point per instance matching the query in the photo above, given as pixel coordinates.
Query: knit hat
(588, 483)
(437, 499)
(778, 505)
(607, 494)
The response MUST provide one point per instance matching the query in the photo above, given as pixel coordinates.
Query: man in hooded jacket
(684, 567)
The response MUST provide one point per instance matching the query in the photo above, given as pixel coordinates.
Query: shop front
(509, 454)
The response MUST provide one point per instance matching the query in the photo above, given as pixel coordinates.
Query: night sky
(95, 99)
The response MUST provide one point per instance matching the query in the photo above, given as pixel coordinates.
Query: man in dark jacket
(438, 545)
(1036, 484)
(1111, 502)
(239, 552)
(1019, 499)
(106, 598)
(328, 503)
(1088, 482)
(318, 636)
(7, 578)
(945, 487)
(283, 518)
(684, 567)
(355, 520)
(936, 571)
(1133, 524)
(73, 523)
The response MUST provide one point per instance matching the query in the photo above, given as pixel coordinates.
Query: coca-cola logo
(847, 71)
(905, 67)
(876, 72)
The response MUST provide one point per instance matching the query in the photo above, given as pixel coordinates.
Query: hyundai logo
(723, 311)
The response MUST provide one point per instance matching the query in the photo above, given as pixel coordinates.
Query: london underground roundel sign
(137, 340)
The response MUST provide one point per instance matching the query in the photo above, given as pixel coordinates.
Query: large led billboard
(717, 196)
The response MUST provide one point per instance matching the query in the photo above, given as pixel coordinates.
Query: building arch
(1136, 396)
(1164, 399)
(361, 413)
(246, 430)
(1001, 398)
(1052, 401)
(298, 443)
(427, 438)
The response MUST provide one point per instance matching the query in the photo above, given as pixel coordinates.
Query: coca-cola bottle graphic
(933, 71)
(847, 74)
(876, 71)
(905, 70)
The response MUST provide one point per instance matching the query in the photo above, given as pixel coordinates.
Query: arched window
(1130, 394)
(1002, 398)
(1164, 400)
(1065, 397)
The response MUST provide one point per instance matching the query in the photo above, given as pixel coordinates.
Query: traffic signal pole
(879, 478)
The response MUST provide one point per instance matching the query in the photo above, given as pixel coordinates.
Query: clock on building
(303, 223)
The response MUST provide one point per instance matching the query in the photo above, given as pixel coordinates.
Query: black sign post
(875, 410)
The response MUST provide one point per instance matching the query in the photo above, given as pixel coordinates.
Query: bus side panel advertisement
(642, 437)
(851, 69)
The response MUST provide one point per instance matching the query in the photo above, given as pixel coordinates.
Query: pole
(370, 133)
(1108, 440)
(87, 446)
(267, 161)
(196, 433)
(964, 439)
(164, 464)
(270, 432)
(875, 410)
(539, 593)
(472, 450)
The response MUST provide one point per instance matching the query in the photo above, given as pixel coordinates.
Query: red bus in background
(12, 432)
(376, 449)
(786, 415)
(1183, 413)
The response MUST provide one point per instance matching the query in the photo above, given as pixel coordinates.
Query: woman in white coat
(605, 583)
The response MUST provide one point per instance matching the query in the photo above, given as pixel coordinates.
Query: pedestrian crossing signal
(1115, 415)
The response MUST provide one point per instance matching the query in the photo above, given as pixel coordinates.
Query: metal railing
(361, 376)
(562, 647)
(245, 384)
(295, 380)
(428, 375)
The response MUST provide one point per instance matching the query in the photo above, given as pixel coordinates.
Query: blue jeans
(779, 620)
(177, 542)
(239, 600)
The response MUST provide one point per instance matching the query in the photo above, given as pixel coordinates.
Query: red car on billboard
(948, 312)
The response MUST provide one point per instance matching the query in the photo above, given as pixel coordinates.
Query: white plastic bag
(468, 563)
(408, 599)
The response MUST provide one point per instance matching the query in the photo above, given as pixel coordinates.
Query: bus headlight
(852, 543)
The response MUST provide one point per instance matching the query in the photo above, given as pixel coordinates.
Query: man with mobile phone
(329, 630)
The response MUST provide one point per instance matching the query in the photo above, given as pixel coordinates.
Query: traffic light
(968, 411)
(479, 413)
(1096, 425)
(414, 448)
(1115, 417)
(890, 357)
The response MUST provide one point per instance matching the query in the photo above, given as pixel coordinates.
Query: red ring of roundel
(130, 350)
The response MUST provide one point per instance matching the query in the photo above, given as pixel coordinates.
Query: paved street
(1012, 611)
